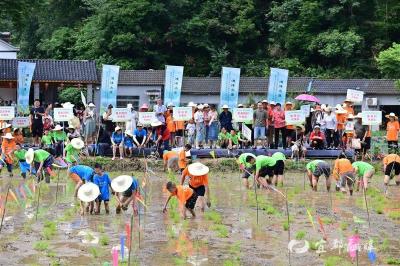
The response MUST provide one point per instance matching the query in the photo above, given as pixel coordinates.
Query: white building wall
(8, 55)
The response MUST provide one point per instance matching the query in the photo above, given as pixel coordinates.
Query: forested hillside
(320, 38)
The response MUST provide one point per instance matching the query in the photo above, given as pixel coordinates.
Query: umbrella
(307, 98)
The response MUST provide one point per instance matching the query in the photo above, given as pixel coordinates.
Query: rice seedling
(213, 216)
(220, 229)
(335, 260)
(300, 235)
(104, 240)
(41, 245)
(393, 261)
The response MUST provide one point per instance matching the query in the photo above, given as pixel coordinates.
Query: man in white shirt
(160, 110)
(131, 124)
(330, 123)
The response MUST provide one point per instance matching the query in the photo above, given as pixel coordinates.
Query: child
(19, 154)
(59, 139)
(128, 196)
(102, 180)
(7, 149)
(47, 140)
(297, 139)
(18, 136)
(186, 196)
(315, 169)
(191, 131)
(233, 140)
(279, 168)
(247, 164)
(223, 138)
(72, 133)
(81, 174)
(140, 136)
(128, 143)
(183, 155)
(72, 151)
(117, 140)
(42, 161)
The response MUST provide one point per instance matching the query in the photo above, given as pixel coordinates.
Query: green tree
(72, 95)
(389, 61)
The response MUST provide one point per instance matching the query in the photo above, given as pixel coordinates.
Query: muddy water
(235, 239)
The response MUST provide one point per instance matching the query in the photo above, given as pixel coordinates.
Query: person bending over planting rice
(127, 189)
(82, 174)
(391, 163)
(198, 181)
(25, 167)
(344, 173)
(264, 166)
(315, 169)
(72, 151)
(279, 168)
(42, 161)
(187, 198)
(170, 159)
(364, 171)
(247, 164)
(184, 154)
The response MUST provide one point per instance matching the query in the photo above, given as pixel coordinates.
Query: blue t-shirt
(117, 138)
(104, 183)
(135, 185)
(83, 171)
(128, 142)
(140, 133)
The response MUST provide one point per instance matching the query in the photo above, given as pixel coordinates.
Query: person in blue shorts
(129, 196)
(128, 143)
(103, 181)
(82, 174)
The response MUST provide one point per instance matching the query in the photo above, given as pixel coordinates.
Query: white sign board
(21, 122)
(294, 117)
(182, 113)
(371, 118)
(355, 96)
(7, 112)
(63, 114)
(146, 118)
(306, 109)
(242, 114)
(246, 132)
(121, 114)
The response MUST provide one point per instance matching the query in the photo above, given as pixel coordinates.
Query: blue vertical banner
(277, 85)
(230, 80)
(173, 84)
(25, 74)
(109, 86)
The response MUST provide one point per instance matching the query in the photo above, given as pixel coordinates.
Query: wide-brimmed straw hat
(57, 128)
(350, 116)
(240, 105)
(200, 107)
(171, 105)
(198, 169)
(264, 101)
(191, 104)
(289, 103)
(121, 183)
(4, 125)
(156, 123)
(29, 155)
(117, 128)
(225, 106)
(91, 105)
(88, 192)
(67, 105)
(301, 127)
(77, 143)
(348, 101)
(272, 103)
(8, 136)
(340, 110)
(391, 115)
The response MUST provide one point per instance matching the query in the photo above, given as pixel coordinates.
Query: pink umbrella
(307, 98)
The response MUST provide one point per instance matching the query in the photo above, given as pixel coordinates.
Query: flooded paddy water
(225, 234)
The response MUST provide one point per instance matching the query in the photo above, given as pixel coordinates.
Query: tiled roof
(259, 85)
(48, 70)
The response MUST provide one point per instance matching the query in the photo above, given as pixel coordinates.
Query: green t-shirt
(47, 139)
(243, 157)
(313, 165)
(234, 139)
(362, 167)
(223, 136)
(71, 154)
(40, 156)
(279, 156)
(59, 136)
(20, 154)
(263, 161)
